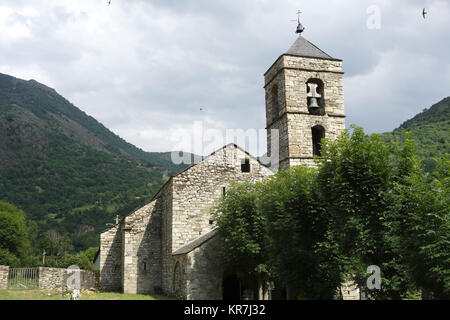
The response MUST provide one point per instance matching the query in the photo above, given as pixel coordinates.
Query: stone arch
(318, 133)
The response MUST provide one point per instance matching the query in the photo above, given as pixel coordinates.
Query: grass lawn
(42, 295)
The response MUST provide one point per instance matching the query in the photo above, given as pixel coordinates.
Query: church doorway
(231, 288)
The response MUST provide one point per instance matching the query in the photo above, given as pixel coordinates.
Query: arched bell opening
(315, 96)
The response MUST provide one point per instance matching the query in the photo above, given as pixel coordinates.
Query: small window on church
(315, 97)
(245, 165)
(145, 266)
(224, 191)
(318, 133)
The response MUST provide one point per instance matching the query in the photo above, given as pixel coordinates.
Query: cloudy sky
(145, 68)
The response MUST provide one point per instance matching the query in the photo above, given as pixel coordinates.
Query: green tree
(90, 253)
(420, 225)
(243, 230)
(300, 251)
(9, 259)
(55, 244)
(14, 241)
(355, 172)
(84, 260)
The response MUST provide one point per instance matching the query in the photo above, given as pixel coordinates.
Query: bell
(313, 103)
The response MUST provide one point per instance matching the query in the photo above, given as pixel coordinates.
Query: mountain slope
(64, 168)
(430, 129)
(36, 101)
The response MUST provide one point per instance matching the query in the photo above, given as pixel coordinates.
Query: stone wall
(55, 279)
(4, 271)
(142, 249)
(166, 198)
(283, 143)
(300, 133)
(204, 273)
(111, 256)
(195, 191)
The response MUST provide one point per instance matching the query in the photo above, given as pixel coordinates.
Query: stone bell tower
(304, 101)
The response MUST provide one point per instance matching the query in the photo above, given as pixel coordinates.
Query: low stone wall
(55, 279)
(4, 271)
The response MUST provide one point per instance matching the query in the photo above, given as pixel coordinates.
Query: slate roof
(196, 243)
(304, 48)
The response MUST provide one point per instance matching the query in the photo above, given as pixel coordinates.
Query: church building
(170, 246)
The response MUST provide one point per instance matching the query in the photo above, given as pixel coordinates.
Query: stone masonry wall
(142, 249)
(196, 190)
(300, 132)
(4, 271)
(283, 142)
(204, 273)
(166, 198)
(274, 110)
(111, 260)
(55, 279)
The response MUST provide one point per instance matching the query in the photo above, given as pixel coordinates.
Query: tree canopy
(14, 238)
(313, 228)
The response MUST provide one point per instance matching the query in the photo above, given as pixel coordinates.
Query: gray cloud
(144, 68)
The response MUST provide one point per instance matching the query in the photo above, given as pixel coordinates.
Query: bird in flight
(424, 12)
(109, 2)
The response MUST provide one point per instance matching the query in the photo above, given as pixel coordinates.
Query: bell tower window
(315, 97)
(318, 133)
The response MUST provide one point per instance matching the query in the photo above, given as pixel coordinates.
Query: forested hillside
(431, 131)
(69, 173)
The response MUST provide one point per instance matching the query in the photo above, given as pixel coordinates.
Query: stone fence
(4, 271)
(56, 279)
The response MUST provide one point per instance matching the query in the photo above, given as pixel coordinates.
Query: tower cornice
(328, 114)
(299, 69)
(298, 56)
